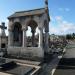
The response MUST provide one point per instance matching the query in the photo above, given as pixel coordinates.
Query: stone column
(40, 37)
(0, 42)
(10, 38)
(46, 41)
(33, 37)
(24, 37)
(46, 38)
(10, 35)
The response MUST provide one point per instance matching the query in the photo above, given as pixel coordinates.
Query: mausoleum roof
(28, 13)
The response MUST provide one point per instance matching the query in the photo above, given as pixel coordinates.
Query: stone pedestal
(46, 42)
(33, 53)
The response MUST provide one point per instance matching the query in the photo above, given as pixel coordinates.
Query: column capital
(40, 28)
(46, 31)
(33, 30)
(24, 28)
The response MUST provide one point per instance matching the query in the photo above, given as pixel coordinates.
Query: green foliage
(70, 36)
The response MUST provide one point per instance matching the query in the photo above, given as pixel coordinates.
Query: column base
(29, 53)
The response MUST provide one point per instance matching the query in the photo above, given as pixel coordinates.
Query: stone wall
(29, 52)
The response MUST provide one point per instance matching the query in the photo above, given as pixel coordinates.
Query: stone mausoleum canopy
(28, 13)
(19, 45)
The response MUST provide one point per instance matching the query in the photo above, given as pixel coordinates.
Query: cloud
(67, 9)
(52, 19)
(58, 19)
(53, 30)
(67, 27)
(64, 9)
(63, 26)
(60, 9)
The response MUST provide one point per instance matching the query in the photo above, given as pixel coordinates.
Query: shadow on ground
(66, 66)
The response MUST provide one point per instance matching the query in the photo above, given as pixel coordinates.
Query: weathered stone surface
(21, 70)
(28, 13)
(31, 52)
(18, 25)
(10, 67)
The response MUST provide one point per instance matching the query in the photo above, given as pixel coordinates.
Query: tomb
(13, 68)
(17, 39)
(18, 50)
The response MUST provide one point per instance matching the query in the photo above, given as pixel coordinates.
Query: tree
(68, 37)
(73, 35)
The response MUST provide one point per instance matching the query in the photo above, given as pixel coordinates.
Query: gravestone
(3, 40)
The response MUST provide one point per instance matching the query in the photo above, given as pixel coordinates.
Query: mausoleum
(18, 26)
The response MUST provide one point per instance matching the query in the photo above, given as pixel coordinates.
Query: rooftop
(27, 13)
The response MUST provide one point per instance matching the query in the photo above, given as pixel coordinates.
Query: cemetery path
(49, 68)
(70, 50)
(66, 65)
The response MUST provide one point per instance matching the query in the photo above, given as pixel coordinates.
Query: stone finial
(46, 2)
(46, 5)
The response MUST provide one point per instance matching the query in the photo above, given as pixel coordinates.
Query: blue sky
(62, 13)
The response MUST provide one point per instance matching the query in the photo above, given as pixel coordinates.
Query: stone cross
(2, 26)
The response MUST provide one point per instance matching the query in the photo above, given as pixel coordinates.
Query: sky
(62, 13)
